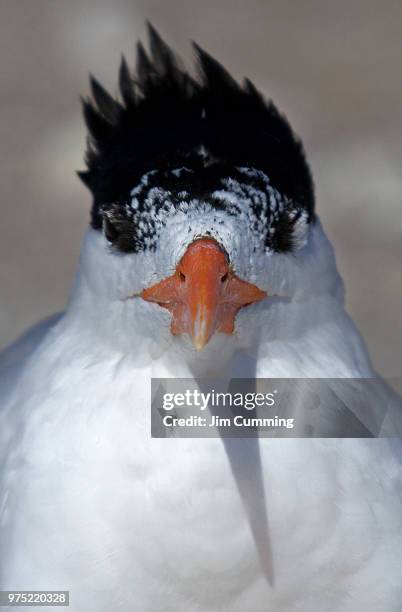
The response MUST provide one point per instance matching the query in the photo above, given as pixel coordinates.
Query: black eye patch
(134, 224)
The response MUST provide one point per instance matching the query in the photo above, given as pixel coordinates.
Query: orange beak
(203, 295)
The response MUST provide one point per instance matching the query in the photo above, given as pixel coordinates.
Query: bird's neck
(307, 320)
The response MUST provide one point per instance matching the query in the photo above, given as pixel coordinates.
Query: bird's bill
(203, 295)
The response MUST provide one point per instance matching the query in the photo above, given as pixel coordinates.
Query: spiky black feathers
(166, 119)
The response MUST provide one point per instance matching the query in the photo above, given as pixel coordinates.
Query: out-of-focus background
(334, 68)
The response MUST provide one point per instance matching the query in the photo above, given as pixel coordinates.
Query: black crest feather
(126, 84)
(107, 107)
(166, 117)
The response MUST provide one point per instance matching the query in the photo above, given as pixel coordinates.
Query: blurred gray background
(334, 68)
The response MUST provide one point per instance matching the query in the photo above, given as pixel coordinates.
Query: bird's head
(201, 195)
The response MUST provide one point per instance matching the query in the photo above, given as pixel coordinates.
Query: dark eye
(109, 230)
(182, 277)
(224, 278)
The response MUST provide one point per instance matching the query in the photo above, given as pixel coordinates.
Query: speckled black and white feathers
(167, 121)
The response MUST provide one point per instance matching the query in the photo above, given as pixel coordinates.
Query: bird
(204, 258)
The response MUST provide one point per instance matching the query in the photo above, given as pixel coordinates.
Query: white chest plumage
(92, 504)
